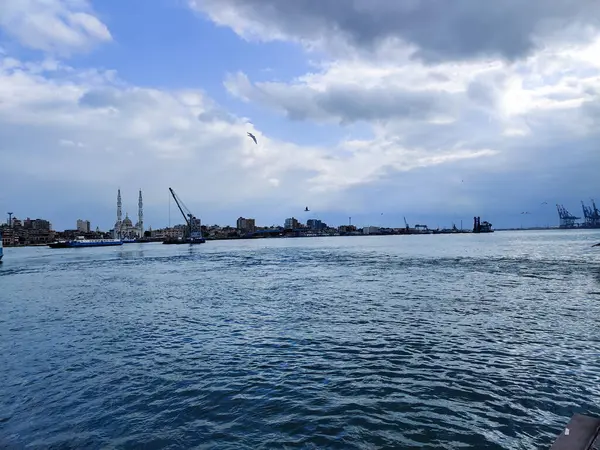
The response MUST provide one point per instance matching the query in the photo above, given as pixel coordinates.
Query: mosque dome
(127, 222)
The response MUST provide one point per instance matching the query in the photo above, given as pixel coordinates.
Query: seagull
(253, 137)
(544, 203)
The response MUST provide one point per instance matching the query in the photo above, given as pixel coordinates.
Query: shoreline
(292, 236)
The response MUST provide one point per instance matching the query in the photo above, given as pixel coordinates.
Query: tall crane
(591, 215)
(193, 233)
(567, 220)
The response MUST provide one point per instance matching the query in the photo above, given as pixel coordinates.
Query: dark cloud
(110, 97)
(216, 115)
(440, 29)
(100, 98)
(347, 103)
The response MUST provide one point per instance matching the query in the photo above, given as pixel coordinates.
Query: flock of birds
(527, 212)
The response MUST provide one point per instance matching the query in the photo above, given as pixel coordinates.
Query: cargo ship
(81, 242)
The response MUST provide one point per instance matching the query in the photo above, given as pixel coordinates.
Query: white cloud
(87, 128)
(515, 131)
(57, 26)
(69, 143)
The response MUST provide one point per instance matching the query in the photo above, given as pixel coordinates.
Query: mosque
(124, 228)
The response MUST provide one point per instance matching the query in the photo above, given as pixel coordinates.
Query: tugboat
(481, 227)
(193, 231)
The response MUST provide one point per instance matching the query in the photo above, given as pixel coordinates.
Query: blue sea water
(439, 341)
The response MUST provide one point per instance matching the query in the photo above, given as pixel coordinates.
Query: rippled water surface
(489, 341)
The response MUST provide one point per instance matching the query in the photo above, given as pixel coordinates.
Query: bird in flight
(544, 203)
(306, 209)
(253, 137)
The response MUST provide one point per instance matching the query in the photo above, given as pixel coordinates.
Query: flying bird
(306, 209)
(544, 203)
(253, 137)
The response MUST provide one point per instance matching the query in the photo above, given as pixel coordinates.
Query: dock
(581, 433)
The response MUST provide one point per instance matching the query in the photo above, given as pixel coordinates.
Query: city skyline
(539, 218)
(373, 118)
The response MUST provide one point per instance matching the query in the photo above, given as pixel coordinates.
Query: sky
(432, 110)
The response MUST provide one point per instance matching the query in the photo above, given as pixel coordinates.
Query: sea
(487, 341)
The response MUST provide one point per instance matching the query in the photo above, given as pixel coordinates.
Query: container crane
(567, 220)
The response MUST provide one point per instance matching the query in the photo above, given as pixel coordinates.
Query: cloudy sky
(375, 109)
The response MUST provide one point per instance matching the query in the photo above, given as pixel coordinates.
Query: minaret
(117, 230)
(119, 212)
(141, 215)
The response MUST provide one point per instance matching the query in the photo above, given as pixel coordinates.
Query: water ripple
(400, 342)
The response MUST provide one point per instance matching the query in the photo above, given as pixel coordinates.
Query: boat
(481, 227)
(452, 230)
(581, 433)
(193, 229)
(183, 240)
(81, 242)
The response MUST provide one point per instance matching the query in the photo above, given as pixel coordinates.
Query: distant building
(371, 230)
(347, 229)
(27, 232)
(246, 225)
(291, 223)
(8, 237)
(32, 224)
(83, 226)
(315, 224)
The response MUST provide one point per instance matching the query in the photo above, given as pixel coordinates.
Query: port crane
(567, 220)
(193, 233)
(591, 214)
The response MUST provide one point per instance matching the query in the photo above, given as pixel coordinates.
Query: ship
(481, 227)
(193, 229)
(81, 242)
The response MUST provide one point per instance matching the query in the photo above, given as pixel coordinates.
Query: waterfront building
(315, 224)
(83, 225)
(246, 225)
(291, 223)
(36, 224)
(27, 232)
(371, 230)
